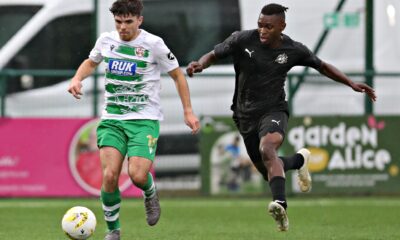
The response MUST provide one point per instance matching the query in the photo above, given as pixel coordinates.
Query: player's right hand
(75, 88)
(194, 67)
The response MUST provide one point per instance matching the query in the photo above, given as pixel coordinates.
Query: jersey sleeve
(308, 58)
(227, 47)
(164, 57)
(95, 55)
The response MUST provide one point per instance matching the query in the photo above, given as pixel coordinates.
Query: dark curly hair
(127, 7)
(274, 9)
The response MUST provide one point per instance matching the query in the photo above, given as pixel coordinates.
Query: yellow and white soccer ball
(79, 223)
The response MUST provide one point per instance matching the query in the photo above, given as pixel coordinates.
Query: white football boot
(303, 176)
(278, 213)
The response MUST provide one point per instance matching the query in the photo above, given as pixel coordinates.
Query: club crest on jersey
(121, 67)
(282, 58)
(139, 52)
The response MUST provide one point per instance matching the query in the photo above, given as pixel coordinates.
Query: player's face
(128, 26)
(270, 28)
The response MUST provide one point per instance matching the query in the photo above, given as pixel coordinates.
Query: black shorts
(268, 123)
(253, 130)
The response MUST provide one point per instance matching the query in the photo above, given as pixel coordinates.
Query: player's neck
(277, 43)
(135, 35)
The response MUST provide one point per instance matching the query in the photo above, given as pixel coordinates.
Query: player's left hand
(364, 88)
(193, 122)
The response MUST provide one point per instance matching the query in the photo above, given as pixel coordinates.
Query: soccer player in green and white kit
(131, 115)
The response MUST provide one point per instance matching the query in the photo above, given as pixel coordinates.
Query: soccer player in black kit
(262, 57)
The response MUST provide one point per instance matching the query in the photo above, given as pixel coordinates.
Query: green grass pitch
(209, 219)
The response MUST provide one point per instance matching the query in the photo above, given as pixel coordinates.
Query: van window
(12, 18)
(62, 44)
(191, 28)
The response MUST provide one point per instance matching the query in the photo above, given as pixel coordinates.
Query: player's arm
(221, 50)
(86, 68)
(335, 74)
(204, 62)
(183, 90)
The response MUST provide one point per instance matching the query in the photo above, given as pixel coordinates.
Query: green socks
(111, 205)
(149, 189)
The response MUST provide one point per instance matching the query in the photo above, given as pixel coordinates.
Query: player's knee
(110, 179)
(139, 179)
(268, 146)
(267, 152)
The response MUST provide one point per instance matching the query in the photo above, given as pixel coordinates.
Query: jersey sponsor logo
(281, 58)
(121, 67)
(112, 47)
(170, 56)
(249, 52)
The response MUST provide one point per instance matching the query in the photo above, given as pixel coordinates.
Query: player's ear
(283, 26)
(140, 20)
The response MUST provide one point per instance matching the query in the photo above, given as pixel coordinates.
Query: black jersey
(261, 71)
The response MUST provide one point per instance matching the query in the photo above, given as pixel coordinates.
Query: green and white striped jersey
(132, 74)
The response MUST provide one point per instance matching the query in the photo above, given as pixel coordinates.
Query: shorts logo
(121, 67)
(151, 143)
(282, 58)
(275, 121)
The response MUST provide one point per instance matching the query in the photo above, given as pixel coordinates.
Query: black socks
(293, 162)
(277, 185)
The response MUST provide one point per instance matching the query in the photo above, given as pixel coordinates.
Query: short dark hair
(274, 9)
(127, 7)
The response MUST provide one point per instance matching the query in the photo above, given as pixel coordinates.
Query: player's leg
(299, 162)
(293, 162)
(252, 143)
(250, 130)
(139, 171)
(271, 132)
(143, 136)
(111, 161)
(276, 175)
(112, 143)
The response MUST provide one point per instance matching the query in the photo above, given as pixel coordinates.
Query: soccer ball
(79, 223)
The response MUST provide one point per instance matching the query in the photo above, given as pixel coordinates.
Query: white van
(57, 34)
